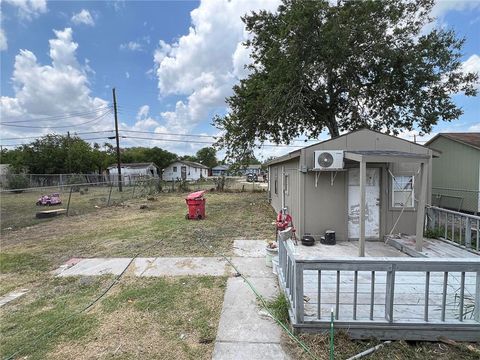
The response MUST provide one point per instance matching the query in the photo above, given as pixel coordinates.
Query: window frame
(394, 178)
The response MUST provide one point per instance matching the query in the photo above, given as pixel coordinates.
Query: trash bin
(196, 206)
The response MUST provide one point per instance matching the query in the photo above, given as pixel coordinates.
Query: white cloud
(204, 64)
(475, 127)
(127, 74)
(47, 90)
(441, 7)
(132, 46)
(472, 65)
(83, 17)
(29, 9)
(3, 40)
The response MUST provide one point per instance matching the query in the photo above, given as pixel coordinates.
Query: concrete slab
(238, 289)
(180, 266)
(249, 248)
(13, 295)
(97, 266)
(248, 351)
(253, 267)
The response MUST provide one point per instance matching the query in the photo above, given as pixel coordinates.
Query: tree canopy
(207, 156)
(357, 64)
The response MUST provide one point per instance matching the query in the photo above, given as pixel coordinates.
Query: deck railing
(390, 298)
(457, 227)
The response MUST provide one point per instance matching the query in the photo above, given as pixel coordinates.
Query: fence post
(69, 197)
(134, 186)
(476, 309)
(298, 289)
(390, 294)
(110, 194)
(468, 233)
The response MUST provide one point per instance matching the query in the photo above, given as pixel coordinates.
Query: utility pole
(119, 166)
(69, 159)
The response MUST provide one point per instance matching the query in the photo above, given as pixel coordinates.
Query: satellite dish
(325, 160)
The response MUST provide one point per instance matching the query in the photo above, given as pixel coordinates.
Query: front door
(183, 171)
(372, 208)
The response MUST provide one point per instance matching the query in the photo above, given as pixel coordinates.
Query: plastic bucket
(271, 253)
(275, 265)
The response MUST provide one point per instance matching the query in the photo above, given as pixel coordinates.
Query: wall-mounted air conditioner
(330, 160)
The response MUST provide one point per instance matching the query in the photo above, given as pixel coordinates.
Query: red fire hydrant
(196, 206)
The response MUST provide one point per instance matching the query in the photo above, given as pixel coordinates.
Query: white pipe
(369, 351)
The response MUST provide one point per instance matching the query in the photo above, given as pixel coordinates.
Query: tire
(187, 217)
(199, 217)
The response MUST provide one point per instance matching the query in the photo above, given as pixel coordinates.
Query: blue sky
(172, 64)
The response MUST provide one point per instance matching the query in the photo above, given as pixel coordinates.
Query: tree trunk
(332, 126)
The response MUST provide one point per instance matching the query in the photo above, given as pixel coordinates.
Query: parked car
(252, 177)
(49, 200)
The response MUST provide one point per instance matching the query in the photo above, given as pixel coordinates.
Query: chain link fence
(19, 205)
(456, 199)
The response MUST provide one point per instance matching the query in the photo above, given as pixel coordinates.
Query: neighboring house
(456, 174)
(133, 171)
(328, 199)
(184, 170)
(220, 170)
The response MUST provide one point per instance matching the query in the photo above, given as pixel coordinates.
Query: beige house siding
(325, 207)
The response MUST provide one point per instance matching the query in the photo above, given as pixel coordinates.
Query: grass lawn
(157, 318)
(147, 318)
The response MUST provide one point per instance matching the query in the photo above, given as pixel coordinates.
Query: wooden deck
(431, 248)
(387, 294)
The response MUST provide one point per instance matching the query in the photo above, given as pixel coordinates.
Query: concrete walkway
(245, 330)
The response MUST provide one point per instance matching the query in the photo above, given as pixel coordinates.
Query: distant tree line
(62, 154)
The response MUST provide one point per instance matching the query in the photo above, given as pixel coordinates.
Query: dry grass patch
(153, 318)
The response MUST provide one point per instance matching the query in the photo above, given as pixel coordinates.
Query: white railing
(457, 227)
(390, 298)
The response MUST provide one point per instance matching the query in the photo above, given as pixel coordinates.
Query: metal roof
(391, 153)
(190, 163)
(134, 165)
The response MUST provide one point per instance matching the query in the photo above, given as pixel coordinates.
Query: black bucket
(308, 240)
(329, 238)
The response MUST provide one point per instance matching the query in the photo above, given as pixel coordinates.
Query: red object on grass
(196, 206)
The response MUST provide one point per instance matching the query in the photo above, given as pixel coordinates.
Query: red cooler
(196, 206)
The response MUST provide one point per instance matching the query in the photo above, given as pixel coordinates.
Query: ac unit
(328, 160)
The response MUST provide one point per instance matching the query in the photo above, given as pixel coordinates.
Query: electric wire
(75, 133)
(59, 117)
(109, 111)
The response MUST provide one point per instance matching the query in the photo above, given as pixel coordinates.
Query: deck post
(476, 311)
(298, 288)
(421, 208)
(363, 178)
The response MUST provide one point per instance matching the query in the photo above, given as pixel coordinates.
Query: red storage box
(196, 205)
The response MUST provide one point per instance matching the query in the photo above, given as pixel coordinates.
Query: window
(276, 181)
(174, 169)
(402, 191)
(286, 185)
(195, 169)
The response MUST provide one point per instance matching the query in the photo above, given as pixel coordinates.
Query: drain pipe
(369, 351)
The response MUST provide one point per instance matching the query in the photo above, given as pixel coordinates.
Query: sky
(172, 64)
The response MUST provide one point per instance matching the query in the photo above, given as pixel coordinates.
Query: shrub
(17, 182)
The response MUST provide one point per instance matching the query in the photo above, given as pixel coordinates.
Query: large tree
(357, 64)
(207, 156)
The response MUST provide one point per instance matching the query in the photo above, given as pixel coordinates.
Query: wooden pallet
(50, 213)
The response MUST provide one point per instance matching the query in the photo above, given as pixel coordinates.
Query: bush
(75, 180)
(17, 182)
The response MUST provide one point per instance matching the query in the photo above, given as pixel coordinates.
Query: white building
(133, 171)
(184, 170)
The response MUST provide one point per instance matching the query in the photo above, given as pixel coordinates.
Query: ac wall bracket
(332, 177)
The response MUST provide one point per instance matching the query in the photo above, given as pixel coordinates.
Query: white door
(372, 208)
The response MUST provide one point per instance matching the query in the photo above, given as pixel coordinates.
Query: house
(220, 170)
(321, 186)
(132, 171)
(184, 170)
(456, 174)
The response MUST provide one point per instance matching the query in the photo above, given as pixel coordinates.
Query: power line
(75, 133)
(60, 117)
(205, 142)
(109, 111)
